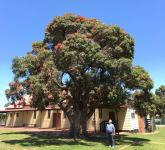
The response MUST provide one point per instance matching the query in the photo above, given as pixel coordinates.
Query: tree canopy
(160, 100)
(81, 64)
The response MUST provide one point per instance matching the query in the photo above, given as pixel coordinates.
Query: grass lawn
(18, 140)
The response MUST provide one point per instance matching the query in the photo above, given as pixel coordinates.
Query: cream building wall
(104, 116)
(123, 115)
(45, 121)
(9, 119)
(26, 118)
(127, 119)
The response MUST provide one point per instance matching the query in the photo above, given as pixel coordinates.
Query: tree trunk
(74, 130)
(75, 124)
(74, 120)
(84, 127)
(84, 118)
(77, 118)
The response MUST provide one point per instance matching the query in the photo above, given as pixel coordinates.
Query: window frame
(17, 114)
(49, 114)
(35, 114)
(100, 113)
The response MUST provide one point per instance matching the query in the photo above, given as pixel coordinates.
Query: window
(100, 113)
(133, 115)
(94, 120)
(17, 114)
(64, 115)
(34, 115)
(49, 113)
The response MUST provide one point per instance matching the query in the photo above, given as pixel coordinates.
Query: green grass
(16, 140)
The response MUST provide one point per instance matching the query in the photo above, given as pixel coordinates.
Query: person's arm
(114, 130)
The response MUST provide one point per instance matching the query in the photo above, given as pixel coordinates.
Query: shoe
(113, 147)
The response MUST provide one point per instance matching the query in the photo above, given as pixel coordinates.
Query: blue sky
(23, 22)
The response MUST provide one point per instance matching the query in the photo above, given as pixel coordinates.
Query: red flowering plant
(80, 19)
(14, 92)
(7, 91)
(12, 84)
(58, 46)
(90, 55)
(50, 96)
(93, 30)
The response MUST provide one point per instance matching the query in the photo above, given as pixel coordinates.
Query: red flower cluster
(93, 30)
(30, 85)
(58, 46)
(7, 91)
(92, 20)
(20, 88)
(50, 96)
(80, 18)
(11, 84)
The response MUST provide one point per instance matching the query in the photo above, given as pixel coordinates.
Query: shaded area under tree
(48, 138)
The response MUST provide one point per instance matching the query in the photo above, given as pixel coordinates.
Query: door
(112, 116)
(57, 120)
(141, 124)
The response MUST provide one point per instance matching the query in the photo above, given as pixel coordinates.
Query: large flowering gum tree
(81, 65)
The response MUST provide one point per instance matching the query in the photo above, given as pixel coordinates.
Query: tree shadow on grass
(44, 138)
(132, 141)
(48, 138)
(120, 140)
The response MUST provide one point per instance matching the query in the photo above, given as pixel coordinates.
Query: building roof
(24, 104)
(28, 108)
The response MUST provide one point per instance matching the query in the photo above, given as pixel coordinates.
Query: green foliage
(35, 74)
(160, 99)
(139, 79)
(86, 47)
(161, 91)
(145, 103)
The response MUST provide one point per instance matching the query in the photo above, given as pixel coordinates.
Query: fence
(160, 121)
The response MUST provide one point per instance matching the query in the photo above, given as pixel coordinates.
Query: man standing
(110, 129)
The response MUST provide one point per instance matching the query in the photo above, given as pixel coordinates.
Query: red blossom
(93, 30)
(31, 86)
(80, 19)
(50, 96)
(20, 88)
(92, 20)
(7, 91)
(58, 46)
(11, 84)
